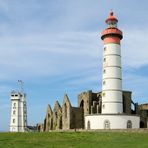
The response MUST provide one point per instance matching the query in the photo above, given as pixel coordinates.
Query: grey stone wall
(57, 116)
(143, 112)
(48, 122)
(66, 113)
(68, 117)
(127, 100)
(77, 118)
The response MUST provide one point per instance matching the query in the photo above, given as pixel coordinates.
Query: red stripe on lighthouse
(111, 39)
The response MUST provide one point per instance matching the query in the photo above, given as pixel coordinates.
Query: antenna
(21, 83)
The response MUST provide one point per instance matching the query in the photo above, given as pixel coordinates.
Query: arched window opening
(48, 116)
(106, 124)
(82, 104)
(65, 110)
(142, 124)
(129, 124)
(56, 115)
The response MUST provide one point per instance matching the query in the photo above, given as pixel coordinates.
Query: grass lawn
(74, 140)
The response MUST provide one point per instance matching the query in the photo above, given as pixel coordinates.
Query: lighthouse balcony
(111, 32)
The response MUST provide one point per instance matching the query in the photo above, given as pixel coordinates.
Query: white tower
(112, 77)
(18, 117)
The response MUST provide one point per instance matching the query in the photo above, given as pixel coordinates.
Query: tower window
(104, 71)
(104, 82)
(13, 120)
(103, 106)
(14, 104)
(105, 48)
(14, 112)
(103, 94)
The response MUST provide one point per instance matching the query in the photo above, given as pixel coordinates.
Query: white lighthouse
(18, 116)
(112, 116)
(112, 76)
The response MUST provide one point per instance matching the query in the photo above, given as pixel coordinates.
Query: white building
(18, 117)
(112, 116)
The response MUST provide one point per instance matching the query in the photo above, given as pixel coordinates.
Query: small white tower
(18, 117)
(112, 77)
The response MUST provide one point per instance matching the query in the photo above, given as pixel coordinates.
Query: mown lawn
(74, 140)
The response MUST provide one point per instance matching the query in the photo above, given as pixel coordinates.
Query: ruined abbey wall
(65, 116)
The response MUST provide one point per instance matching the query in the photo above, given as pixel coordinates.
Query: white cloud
(134, 48)
(48, 54)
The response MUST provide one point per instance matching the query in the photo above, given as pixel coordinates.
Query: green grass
(74, 140)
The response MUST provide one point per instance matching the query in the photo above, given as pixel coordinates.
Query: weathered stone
(48, 122)
(57, 116)
(68, 117)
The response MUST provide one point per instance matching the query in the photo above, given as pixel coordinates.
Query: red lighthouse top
(111, 17)
(111, 34)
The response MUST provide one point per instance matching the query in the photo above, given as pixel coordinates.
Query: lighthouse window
(103, 94)
(14, 104)
(104, 48)
(104, 71)
(13, 120)
(14, 112)
(104, 82)
(104, 59)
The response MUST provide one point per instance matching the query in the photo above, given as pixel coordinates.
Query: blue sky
(54, 46)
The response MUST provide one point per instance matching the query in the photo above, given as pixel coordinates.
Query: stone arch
(88, 125)
(106, 124)
(82, 104)
(129, 124)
